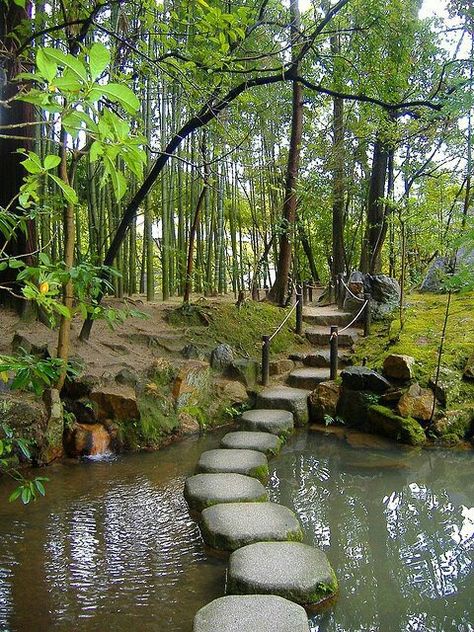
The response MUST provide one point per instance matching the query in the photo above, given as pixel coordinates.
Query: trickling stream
(113, 547)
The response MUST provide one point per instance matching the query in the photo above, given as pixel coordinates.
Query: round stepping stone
(251, 613)
(293, 399)
(308, 377)
(205, 490)
(260, 441)
(292, 570)
(229, 526)
(277, 422)
(248, 462)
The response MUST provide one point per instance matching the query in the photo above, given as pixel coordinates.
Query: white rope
(284, 321)
(355, 319)
(351, 293)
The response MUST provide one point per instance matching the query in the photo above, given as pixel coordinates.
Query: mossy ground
(420, 337)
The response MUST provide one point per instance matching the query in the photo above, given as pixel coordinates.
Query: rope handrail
(355, 318)
(285, 319)
(350, 292)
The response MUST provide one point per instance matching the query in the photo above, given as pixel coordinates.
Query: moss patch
(261, 473)
(384, 421)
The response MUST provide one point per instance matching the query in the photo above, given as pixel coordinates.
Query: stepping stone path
(205, 490)
(260, 441)
(251, 613)
(248, 462)
(264, 538)
(292, 570)
(227, 527)
(277, 422)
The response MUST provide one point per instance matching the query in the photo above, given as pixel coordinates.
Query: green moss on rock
(383, 420)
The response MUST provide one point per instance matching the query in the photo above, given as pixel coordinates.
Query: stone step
(294, 400)
(322, 358)
(320, 336)
(251, 613)
(277, 422)
(247, 462)
(292, 570)
(308, 377)
(326, 316)
(264, 442)
(229, 526)
(205, 490)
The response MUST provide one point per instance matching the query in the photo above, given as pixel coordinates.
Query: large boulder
(353, 406)
(323, 401)
(361, 378)
(221, 357)
(384, 421)
(27, 415)
(115, 402)
(22, 344)
(446, 385)
(417, 402)
(399, 367)
(191, 382)
(433, 281)
(384, 291)
(245, 370)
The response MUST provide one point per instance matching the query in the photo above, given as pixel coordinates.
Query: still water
(112, 546)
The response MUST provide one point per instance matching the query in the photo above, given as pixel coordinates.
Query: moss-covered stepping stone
(205, 490)
(251, 613)
(248, 462)
(277, 422)
(294, 400)
(292, 570)
(247, 440)
(229, 526)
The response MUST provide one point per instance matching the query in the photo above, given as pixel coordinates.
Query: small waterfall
(98, 440)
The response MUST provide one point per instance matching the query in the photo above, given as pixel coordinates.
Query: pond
(112, 545)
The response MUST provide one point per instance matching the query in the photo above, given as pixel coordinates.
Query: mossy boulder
(446, 385)
(324, 400)
(455, 426)
(382, 420)
(353, 406)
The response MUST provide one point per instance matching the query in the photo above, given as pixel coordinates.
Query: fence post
(265, 360)
(367, 314)
(299, 310)
(333, 342)
(310, 291)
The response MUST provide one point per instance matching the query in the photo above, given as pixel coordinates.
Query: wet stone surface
(205, 490)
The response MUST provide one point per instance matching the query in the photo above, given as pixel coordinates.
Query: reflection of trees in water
(400, 549)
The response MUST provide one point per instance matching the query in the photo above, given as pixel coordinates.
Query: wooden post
(265, 360)
(367, 314)
(310, 292)
(333, 342)
(299, 310)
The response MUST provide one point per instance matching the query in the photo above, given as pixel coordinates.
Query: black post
(299, 310)
(333, 357)
(367, 314)
(265, 360)
(305, 292)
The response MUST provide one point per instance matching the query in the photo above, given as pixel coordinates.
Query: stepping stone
(205, 490)
(277, 422)
(248, 462)
(322, 358)
(319, 336)
(292, 570)
(260, 441)
(308, 377)
(229, 526)
(326, 316)
(293, 399)
(251, 613)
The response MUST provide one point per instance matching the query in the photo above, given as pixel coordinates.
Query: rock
(251, 613)
(21, 344)
(52, 445)
(384, 291)
(294, 400)
(248, 462)
(361, 378)
(260, 441)
(455, 423)
(324, 400)
(221, 357)
(128, 377)
(191, 352)
(87, 440)
(114, 402)
(188, 425)
(308, 377)
(233, 392)
(417, 402)
(384, 421)
(245, 370)
(205, 490)
(227, 527)
(27, 415)
(447, 386)
(192, 381)
(80, 386)
(82, 409)
(281, 366)
(399, 367)
(353, 405)
(277, 422)
(469, 368)
(433, 281)
(297, 356)
(292, 570)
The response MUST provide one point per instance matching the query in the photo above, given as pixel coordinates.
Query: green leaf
(69, 193)
(15, 495)
(67, 61)
(39, 486)
(96, 151)
(26, 495)
(99, 59)
(119, 93)
(51, 161)
(15, 264)
(46, 66)
(44, 258)
(20, 3)
(68, 83)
